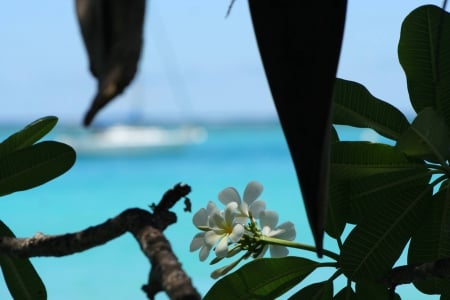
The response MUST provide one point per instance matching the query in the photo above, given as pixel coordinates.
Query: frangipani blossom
(250, 204)
(285, 231)
(237, 226)
(224, 229)
(201, 220)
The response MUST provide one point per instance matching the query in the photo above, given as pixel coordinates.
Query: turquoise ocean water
(98, 188)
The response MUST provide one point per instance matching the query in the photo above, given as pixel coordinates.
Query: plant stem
(279, 242)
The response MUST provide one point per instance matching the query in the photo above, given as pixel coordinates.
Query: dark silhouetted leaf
(423, 52)
(355, 106)
(427, 138)
(264, 278)
(316, 291)
(431, 242)
(300, 54)
(34, 165)
(28, 135)
(20, 276)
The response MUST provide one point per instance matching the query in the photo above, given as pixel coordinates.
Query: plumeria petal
(211, 207)
(268, 218)
(200, 218)
(263, 251)
(217, 220)
(197, 242)
(228, 195)
(230, 212)
(257, 207)
(287, 231)
(222, 247)
(278, 251)
(211, 238)
(237, 233)
(244, 209)
(252, 191)
(204, 252)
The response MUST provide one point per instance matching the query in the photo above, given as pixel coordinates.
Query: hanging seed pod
(112, 33)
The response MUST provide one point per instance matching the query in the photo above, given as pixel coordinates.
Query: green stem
(279, 242)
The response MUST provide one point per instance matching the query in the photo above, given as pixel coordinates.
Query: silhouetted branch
(166, 272)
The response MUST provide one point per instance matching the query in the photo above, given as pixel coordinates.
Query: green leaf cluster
(382, 195)
(25, 163)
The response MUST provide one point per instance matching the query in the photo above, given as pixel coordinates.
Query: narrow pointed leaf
(355, 106)
(300, 54)
(431, 242)
(316, 291)
(427, 138)
(28, 135)
(20, 276)
(374, 245)
(34, 165)
(424, 54)
(264, 278)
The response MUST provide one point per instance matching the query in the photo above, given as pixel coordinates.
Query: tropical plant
(382, 195)
(24, 164)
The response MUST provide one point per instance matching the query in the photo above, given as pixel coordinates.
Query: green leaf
(424, 54)
(376, 192)
(316, 291)
(374, 245)
(427, 138)
(351, 160)
(263, 278)
(371, 290)
(34, 165)
(338, 209)
(20, 276)
(28, 135)
(355, 106)
(431, 242)
(346, 293)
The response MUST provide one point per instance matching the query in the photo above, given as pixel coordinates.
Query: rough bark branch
(166, 272)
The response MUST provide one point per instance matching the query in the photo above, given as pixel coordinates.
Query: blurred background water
(101, 187)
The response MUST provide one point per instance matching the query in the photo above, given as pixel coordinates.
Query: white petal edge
(288, 233)
(268, 218)
(237, 233)
(228, 195)
(211, 238)
(252, 191)
(222, 247)
(204, 253)
(200, 218)
(278, 251)
(257, 208)
(197, 242)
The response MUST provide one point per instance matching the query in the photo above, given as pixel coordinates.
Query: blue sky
(196, 64)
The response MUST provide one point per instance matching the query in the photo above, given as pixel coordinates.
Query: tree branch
(166, 272)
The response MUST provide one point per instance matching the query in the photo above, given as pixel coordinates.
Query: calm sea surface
(98, 188)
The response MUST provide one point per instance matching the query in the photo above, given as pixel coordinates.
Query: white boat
(126, 139)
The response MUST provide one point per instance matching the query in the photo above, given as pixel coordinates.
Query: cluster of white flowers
(236, 224)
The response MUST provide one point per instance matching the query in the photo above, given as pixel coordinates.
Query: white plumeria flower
(224, 230)
(285, 231)
(201, 220)
(250, 204)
